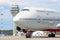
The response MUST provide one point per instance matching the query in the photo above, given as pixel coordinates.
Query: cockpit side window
(25, 9)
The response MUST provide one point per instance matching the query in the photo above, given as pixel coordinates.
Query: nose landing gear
(51, 34)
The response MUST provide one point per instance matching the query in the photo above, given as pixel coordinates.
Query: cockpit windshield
(25, 9)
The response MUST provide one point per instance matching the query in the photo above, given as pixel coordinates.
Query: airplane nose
(15, 19)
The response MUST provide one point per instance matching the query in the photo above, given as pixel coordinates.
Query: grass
(8, 32)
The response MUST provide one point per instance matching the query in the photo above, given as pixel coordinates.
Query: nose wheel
(51, 34)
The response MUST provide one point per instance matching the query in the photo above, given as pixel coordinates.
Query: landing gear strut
(51, 34)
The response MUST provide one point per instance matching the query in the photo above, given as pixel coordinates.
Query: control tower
(14, 10)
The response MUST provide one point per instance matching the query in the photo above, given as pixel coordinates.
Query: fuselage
(37, 19)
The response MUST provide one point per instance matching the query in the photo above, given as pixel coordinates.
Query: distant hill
(8, 32)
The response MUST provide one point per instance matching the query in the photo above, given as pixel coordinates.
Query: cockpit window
(25, 9)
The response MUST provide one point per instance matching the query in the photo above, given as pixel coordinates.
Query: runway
(23, 38)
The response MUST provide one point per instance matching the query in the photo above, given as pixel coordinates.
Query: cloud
(54, 0)
(24, 1)
(51, 0)
(1, 7)
(34, 3)
(9, 2)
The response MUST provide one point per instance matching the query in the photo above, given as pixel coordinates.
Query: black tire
(28, 36)
(25, 31)
(51, 35)
(18, 28)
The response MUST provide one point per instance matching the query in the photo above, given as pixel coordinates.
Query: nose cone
(15, 19)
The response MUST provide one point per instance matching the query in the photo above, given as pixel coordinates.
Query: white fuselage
(37, 19)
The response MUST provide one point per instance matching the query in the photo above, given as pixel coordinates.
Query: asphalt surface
(24, 38)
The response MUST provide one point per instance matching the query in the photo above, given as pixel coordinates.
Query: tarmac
(24, 38)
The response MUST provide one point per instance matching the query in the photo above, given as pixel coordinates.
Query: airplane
(40, 19)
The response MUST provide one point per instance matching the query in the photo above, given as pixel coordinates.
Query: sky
(5, 7)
